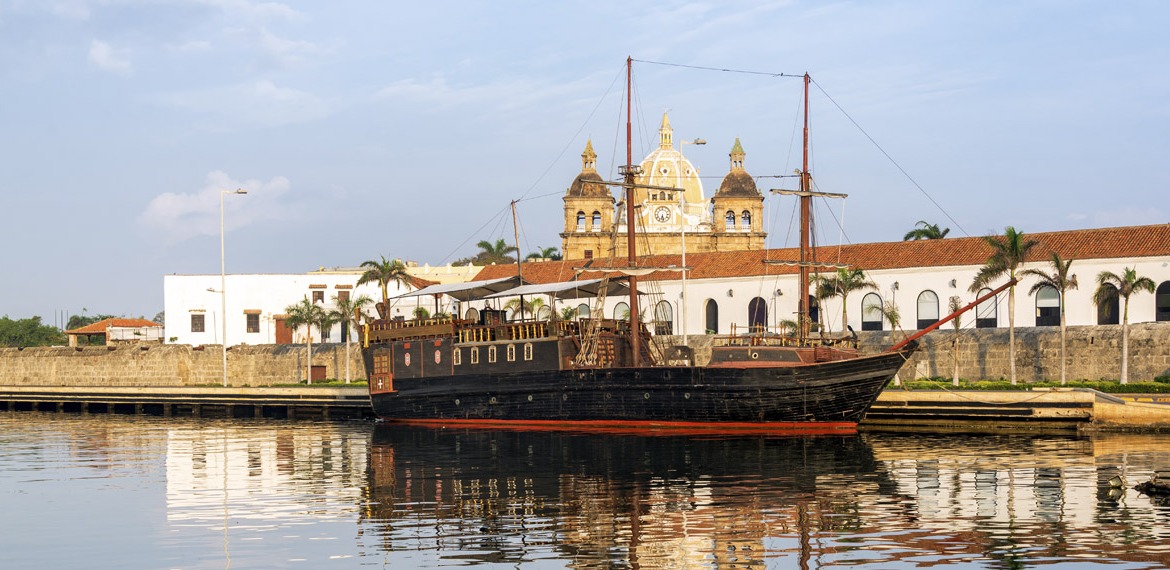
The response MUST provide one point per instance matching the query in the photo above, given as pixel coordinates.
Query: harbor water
(119, 491)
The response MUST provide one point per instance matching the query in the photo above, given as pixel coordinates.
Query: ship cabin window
(198, 323)
(927, 309)
(711, 316)
(1162, 302)
(475, 355)
(457, 357)
(986, 316)
(1047, 307)
(663, 318)
(621, 311)
(1109, 309)
(745, 221)
(580, 221)
(871, 312)
(596, 221)
(528, 351)
(757, 315)
(511, 353)
(729, 221)
(582, 311)
(491, 354)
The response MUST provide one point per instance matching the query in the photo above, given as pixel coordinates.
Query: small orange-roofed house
(117, 330)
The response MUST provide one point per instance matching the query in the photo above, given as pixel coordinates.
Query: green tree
(305, 314)
(841, 284)
(524, 306)
(1124, 285)
(350, 311)
(1008, 251)
(494, 252)
(546, 253)
(421, 313)
(923, 230)
(569, 313)
(1061, 280)
(384, 272)
(28, 332)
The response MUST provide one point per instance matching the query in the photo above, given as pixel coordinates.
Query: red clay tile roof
(101, 326)
(419, 282)
(1102, 243)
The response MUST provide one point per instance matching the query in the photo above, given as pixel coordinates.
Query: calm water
(138, 492)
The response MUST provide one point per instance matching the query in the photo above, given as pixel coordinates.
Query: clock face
(662, 214)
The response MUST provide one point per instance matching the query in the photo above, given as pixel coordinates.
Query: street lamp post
(223, 283)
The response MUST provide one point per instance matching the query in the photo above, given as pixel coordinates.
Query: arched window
(745, 221)
(1162, 302)
(580, 221)
(986, 313)
(814, 310)
(871, 312)
(927, 309)
(472, 315)
(1047, 307)
(621, 311)
(757, 315)
(544, 313)
(729, 219)
(1109, 309)
(583, 311)
(596, 221)
(663, 318)
(711, 312)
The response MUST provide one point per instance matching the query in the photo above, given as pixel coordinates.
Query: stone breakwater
(1094, 353)
(172, 365)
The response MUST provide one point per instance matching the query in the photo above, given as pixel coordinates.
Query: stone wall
(171, 365)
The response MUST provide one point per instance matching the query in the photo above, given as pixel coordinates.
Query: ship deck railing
(757, 335)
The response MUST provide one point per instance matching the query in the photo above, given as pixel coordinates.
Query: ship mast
(805, 214)
(629, 171)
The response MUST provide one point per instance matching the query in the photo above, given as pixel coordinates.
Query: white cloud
(105, 57)
(286, 52)
(261, 103)
(175, 217)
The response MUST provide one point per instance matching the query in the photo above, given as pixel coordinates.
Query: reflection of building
(731, 220)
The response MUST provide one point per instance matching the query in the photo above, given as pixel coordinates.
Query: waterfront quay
(304, 402)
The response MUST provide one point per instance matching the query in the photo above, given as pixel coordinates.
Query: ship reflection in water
(602, 501)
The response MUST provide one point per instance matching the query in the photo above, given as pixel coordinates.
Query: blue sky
(365, 128)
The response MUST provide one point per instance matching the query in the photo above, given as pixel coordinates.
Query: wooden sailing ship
(600, 373)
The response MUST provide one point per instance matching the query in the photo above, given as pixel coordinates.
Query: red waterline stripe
(645, 427)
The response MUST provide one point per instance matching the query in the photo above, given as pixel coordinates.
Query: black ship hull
(820, 396)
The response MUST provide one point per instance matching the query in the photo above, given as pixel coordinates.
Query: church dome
(666, 166)
(738, 183)
(588, 184)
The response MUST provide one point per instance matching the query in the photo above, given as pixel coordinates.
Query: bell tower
(738, 208)
(589, 210)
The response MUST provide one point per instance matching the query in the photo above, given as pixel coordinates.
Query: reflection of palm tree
(1109, 285)
(349, 310)
(923, 230)
(495, 252)
(545, 253)
(383, 273)
(1007, 253)
(1060, 280)
(307, 314)
(841, 284)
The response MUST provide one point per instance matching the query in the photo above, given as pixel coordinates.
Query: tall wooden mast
(805, 214)
(629, 171)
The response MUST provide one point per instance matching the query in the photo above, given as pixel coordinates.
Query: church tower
(589, 210)
(738, 208)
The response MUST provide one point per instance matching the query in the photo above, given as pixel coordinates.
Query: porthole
(530, 397)
(564, 396)
(608, 396)
(456, 401)
(492, 400)
(645, 395)
(687, 396)
(755, 355)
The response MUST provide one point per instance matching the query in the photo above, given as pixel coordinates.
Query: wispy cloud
(261, 103)
(177, 216)
(106, 58)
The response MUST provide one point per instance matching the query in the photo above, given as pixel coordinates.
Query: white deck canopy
(469, 291)
(568, 289)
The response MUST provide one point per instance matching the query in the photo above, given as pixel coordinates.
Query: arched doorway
(711, 314)
(621, 311)
(663, 318)
(986, 316)
(927, 309)
(1109, 309)
(583, 311)
(757, 315)
(1162, 302)
(814, 312)
(1047, 307)
(871, 312)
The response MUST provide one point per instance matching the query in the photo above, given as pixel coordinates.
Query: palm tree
(545, 253)
(495, 252)
(421, 313)
(568, 313)
(1007, 253)
(890, 312)
(841, 284)
(307, 314)
(923, 230)
(1124, 285)
(953, 306)
(1060, 280)
(349, 311)
(521, 305)
(383, 273)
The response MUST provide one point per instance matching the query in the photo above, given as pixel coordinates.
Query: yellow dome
(667, 167)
